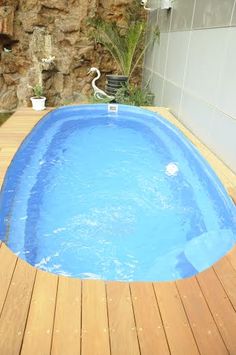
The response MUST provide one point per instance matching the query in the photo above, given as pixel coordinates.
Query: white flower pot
(38, 104)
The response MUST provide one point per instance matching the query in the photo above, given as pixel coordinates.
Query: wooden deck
(42, 314)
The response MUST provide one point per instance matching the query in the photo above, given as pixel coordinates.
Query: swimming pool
(114, 196)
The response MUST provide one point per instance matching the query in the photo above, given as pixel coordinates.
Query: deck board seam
(54, 316)
(135, 320)
(162, 322)
(229, 259)
(213, 317)
(8, 288)
(186, 314)
(26, 321)
(225, 290)
(81, 316)
(108, 319)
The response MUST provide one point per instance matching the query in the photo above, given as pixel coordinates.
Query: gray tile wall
(196, 14)
(213, 13)
(192, 69)
(182, 15)
(233, 22)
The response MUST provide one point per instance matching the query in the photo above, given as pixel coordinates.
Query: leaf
(127, 46)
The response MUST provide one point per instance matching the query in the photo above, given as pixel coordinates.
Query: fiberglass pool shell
(114, 196)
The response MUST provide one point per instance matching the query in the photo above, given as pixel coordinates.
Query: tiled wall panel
(206, 54)
(193, 70)
(182, 15)
(160, 50)
(226, 96)
(212, 13)
(176, 58)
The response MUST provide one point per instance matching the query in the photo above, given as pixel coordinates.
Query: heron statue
(99, 93)
(144, 4)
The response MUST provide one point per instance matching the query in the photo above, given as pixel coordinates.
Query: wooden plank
(178, 330)
(227, 275)
(123, 333)
(67, 326)
(232, 193)
(7, 262)
(221, 308)
(95, 332)
(15, 310)
(39, 327)
(203, 325)
(151, 334)
(232, 257)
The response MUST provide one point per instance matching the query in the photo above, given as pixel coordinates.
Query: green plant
(38, 91)
(94, 100)
(134, 95)
(126, 45)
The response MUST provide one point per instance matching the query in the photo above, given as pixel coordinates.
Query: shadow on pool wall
(98, 190)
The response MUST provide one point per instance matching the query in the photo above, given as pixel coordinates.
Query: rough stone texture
(8, 100)
(6, 20)
(53, 28)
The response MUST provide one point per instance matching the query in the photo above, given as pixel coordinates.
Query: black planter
(114, 82)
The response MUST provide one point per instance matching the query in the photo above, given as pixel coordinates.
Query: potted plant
(38, 100)
(126, 45)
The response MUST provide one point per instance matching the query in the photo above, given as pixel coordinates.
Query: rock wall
(31, 30)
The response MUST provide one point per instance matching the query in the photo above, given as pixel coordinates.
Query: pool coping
(194, 315)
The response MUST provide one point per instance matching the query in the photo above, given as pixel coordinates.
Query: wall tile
(177, 52)
(206, 53)
(152, 16)
(212, 13)
(209, 87)
(182, 14)
(171, 97)
(152, 22)
(224, 142)
(153, 4)
(147, 76)
(226, 98)
(234, 17)
(160, 53)
(156, 87)
(164, 20)
(148, 59)
(197, 116)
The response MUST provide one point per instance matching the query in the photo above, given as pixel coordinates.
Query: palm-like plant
(127, 46)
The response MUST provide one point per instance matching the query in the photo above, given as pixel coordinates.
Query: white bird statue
(98, 93)
(144, 4)
(7, 50)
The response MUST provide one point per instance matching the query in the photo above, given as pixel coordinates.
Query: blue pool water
(115, 196)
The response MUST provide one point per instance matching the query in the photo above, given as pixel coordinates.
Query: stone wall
(31, 30)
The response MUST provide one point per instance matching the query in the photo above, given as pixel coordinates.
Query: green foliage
(38, 91)
(134, 95)
(134, 12)
(94, 100)
(126, 45)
